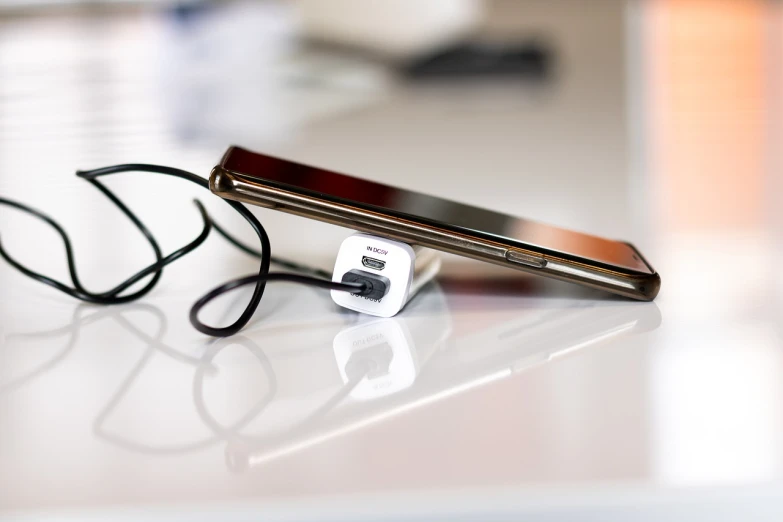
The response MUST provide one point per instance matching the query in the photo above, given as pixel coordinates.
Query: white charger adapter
(393, 270)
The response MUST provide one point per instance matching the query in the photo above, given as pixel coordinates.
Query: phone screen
(430, 209)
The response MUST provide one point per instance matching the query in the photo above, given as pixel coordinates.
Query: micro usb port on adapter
(375, 264)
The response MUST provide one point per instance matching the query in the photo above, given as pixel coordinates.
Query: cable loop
(155, 270)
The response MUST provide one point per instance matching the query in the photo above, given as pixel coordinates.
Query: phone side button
(523, 258)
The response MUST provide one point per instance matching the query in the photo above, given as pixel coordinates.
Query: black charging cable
(319, 278)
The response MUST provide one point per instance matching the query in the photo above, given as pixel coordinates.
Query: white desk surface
(498, 396)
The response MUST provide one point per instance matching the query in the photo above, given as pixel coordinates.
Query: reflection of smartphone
(434, 222)
(490, 355)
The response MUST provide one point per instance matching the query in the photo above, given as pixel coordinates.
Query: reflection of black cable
(198, 388)
(155, 269)
(74, 328)
(154, 343)
(203, 365)
(240, 445)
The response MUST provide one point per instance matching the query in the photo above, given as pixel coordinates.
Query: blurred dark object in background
(437, 39)
(472, 60)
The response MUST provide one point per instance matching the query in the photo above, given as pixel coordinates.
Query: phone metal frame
(256, 191)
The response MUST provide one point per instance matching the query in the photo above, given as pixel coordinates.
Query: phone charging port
(375, 264)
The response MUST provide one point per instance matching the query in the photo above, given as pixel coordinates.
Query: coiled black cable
(155, 270)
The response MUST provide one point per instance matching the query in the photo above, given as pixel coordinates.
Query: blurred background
(659, 122)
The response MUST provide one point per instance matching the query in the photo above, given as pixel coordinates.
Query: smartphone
(434, 222)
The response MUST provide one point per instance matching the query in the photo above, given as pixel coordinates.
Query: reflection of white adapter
(395, 271)
(380, 357)
(377, 357)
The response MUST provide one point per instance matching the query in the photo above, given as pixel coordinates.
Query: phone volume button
(523, 258)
